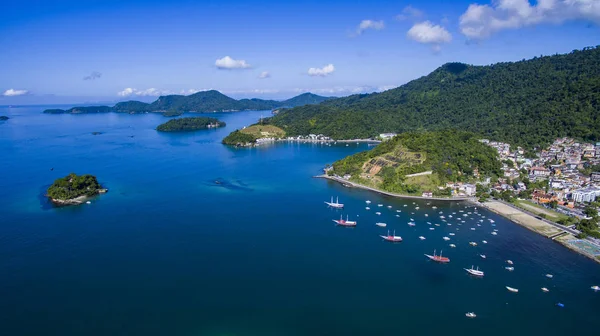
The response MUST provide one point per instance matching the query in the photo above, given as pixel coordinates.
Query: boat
(379, 205)
(514, 290)
(411, 224)
(88, 202)
(550, 276)
(389, 206)
(378, 213)
(596, 288)
(472, 229)
(508, 268)
(452, 245)
(336, 205)
(416, 208)
(475, 272)
(391, 238)
(451, 234)
(404, 205)
(412, 220)
(494, 233)
(368, 202)
(445, 238)
(482, 256)
(421, 237)
(470, 315)
(473, 243)
(484, 241)
(438, 258)
(431, 229)
(367, 208)
(398, 210)
(434, 207)
(545, 290)
(436, 224)
(381, 224)
(509, 262)
(345, 222)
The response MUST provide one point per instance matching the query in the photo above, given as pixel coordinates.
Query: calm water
(169, 252)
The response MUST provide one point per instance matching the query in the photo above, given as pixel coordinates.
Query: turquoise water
(169, 252)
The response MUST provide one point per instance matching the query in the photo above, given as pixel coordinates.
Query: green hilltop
(189, 124)
(529, 103)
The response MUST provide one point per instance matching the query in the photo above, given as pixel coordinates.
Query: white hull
(514, 290)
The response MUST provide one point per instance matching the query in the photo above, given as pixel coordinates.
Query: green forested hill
(450, 156)
(528, 103)
(304, 99)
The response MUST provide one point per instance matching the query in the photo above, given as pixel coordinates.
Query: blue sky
(84, 51)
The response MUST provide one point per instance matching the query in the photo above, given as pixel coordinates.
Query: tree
(553, 204)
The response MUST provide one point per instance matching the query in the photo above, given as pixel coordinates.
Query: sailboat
(438, 258)
(391, 238)
(337, 203)
(475, 272)
(345, 222)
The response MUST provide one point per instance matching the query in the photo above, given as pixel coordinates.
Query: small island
(189, 124)
(2, 118)
(73, 189)
(254, 135)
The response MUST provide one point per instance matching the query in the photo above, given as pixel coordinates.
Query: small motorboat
(397, 215)
(596, 288)
(545, 290)
(431, 229)
(473, 243)
(381, 224)
(426, 215)
(368, 202)
(379, 205)
(391, 238)
(88, 202)
(434, 207)
(470, 315)
(411, 224)
(509, 268)
(482, 256)
(483, 241)
(494, 233)
(452, 245)
(475, 272)
(404, 205)
(416, 208)
(389, 206)
(421, 237)
(514, 290)
(367, 208)
(451, 234)
(378, 213)
(436, 224)
(509, 262)
(472, 229)
(560, 305)
(398, 210)
(429, 223)
(549, 276)
(445, 238)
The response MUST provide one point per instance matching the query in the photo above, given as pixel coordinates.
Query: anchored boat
(336, 205)
(514, 290)
(438, 258)
(475, 272)
(345, 222)
(381, 224)
(392, 238)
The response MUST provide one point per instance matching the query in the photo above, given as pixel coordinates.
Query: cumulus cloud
(13, 93)
(369, 24)
(428, 33)
(264, 74)
(152, 92)
(322, 72)
(481, 21)
(93, 75)
(410, 13)
(228, 63)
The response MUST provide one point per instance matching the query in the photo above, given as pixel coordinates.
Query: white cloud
(229, 63)
(428, 33)
(369, 24)
(322, 72)
(13, 93)
(410, 12)
(264, 74)
(151, 92)
(481, 21)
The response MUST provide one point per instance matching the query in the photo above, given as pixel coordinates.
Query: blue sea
(167, 251)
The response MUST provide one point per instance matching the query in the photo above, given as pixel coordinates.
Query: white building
(585, 194)
(387, 136)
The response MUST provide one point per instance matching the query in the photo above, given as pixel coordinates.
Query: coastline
(357, 185)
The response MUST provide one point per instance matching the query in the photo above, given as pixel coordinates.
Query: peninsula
(189, 124)
(253, 135)
(74, 189)
(203, 101)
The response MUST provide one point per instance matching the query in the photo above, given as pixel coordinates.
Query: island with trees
(189, 124)
(253, 135)
(74, 189)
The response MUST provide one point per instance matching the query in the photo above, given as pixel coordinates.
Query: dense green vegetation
(81, 109)
(189, 124)
(72, 186)
(527, 103)
(204, 101)
(238, 138)
(450, 155)
(4, 118)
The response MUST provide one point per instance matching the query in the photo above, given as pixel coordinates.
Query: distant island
(74, 189)
(204, 101)
(252, 135)
(2, 118)
(527, 103)
(189, 124)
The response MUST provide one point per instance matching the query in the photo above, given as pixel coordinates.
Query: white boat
(494, 233)
(416, 208)
(434, 207)
(345, 222)
(389, 206)
(398, 210)
(509, 268)
(88, 202)
(514, 290)
(421, 237)
(484, 241)
(404, 205)
(473, 243)
(379, 205)
(482, 256)
(442, 217)
(429, 223)
(492, 221)
(509, 262)
(545, 290)
(378, 213)
(472, 229)
(431, 229)
(475, 272)
(436, 224)
(550, 276)
(367, 208)
(397, 215)
(596, 288)
(452, 245)
(368, 202)
(392, 238)
(336, 205)
(426, 215)
(411, 224)
(451, 234)
(470, 315)
(412, 220)
(445, 238)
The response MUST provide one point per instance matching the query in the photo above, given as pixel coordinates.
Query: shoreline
(360, 186)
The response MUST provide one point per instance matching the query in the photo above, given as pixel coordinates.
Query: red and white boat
(438, 258)
(391, 238)
(345, 222)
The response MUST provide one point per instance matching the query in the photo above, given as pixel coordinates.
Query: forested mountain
(204, 101)
(529, 103)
